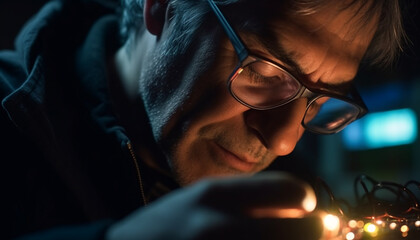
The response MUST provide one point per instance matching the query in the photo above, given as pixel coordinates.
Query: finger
(261, 194)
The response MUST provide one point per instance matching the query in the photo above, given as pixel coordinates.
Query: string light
(371, 228)
(386, 216)
(350, 236)
(404, 230)
(353, 223)
(380, 223)
(392, 226)
(331, 222)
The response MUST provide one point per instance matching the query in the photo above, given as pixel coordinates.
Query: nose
(279, 129)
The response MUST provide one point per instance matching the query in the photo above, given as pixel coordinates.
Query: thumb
(268, 194)
(291, 198)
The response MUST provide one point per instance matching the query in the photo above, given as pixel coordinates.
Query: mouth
(234, 161)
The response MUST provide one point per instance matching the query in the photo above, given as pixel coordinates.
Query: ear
(154, 15)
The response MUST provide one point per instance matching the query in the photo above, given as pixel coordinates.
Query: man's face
(204, 131)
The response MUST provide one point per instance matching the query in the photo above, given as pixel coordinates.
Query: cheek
(218, 106)
(210, 101)
(194, 100)
(169, 87)
(162, 104)
(181, 139)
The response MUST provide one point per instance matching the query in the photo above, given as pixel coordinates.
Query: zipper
(133, 157)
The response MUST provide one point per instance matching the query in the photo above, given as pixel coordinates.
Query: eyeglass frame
(353, 97)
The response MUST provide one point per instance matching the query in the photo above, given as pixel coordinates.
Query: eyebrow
(279, 52)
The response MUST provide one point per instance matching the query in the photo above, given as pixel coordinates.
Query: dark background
(13, 14)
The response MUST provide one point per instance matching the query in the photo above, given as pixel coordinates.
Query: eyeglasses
(261, 84)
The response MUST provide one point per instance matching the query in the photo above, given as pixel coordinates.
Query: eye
(312, 111)
(257, 78)
(315, 107)
(264, 69)
(261, 73)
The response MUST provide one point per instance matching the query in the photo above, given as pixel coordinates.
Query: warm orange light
(392, 226)
(370, 227)
(309, 202)
(331, 222)
(417, 223)
(350, 236)
(277, 213)
(353, 223)
(404, 228)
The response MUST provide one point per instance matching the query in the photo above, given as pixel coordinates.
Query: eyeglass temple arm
(236, 42)
(360, 102)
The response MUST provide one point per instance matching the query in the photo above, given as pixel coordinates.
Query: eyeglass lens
(329, 115)
(262, 85)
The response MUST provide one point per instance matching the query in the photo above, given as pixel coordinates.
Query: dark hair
(386, 45)
(131, 17)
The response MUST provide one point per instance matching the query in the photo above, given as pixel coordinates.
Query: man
(93, 129)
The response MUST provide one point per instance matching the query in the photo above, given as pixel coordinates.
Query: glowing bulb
(370, 227)
(360, 224)
(392, 226)
(417, 223)
(350, 236)
(309, 202)
(331, 222)
(352, 223)
(404, 228)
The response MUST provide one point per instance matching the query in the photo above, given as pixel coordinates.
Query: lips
(242, 164)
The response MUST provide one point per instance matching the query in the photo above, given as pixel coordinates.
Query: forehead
(349, 23)
(331, 41)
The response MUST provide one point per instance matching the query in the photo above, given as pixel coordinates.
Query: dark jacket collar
(91, 66)
(30, 39)
(46, 48)
(46, 103)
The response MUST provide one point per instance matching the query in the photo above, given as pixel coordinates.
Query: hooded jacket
(67, 169)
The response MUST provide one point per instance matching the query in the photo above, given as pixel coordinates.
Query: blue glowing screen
(382, 129)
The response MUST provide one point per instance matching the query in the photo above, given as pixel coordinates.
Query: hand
(265, 206)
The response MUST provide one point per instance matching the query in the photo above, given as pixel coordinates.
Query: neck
(130, 59)
(124, 83)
